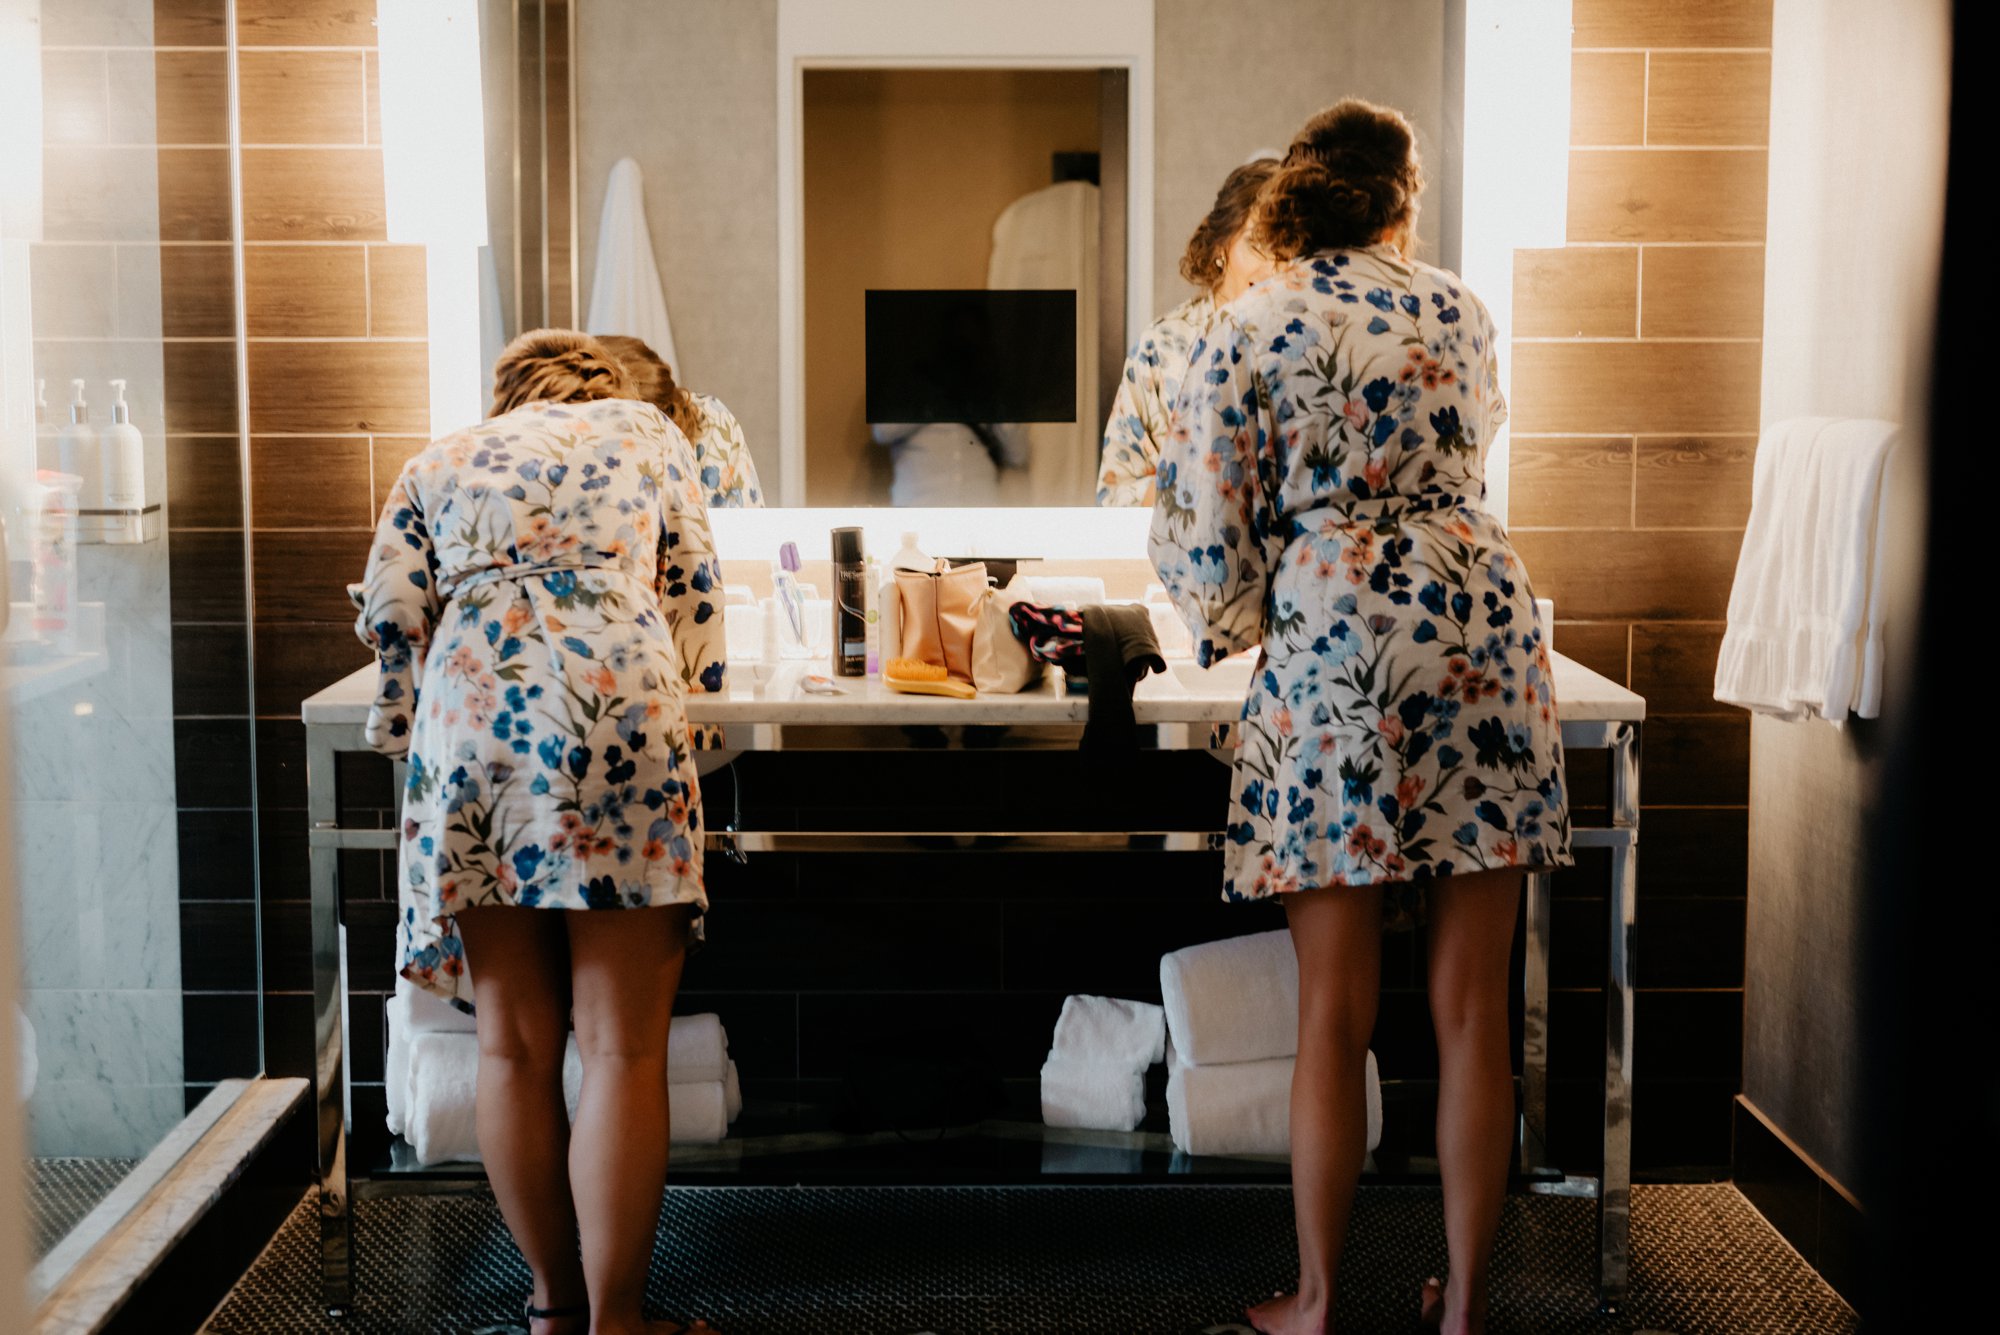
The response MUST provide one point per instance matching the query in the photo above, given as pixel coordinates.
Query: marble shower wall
(94, 836)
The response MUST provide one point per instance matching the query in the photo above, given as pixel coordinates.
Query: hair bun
(1350, 175)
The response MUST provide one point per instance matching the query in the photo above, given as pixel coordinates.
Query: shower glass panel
(129, 828)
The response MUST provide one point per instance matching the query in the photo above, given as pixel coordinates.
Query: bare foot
(1441, 1309)
(1287, 1314)
(1433, 1302)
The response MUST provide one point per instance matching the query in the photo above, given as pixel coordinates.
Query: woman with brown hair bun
(541, 595)
(1322, 501)
(722, 457)
(1221, 261)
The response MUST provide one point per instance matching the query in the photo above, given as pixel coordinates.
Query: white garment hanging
(1805, 635)
(625, 292)
(1049, 239)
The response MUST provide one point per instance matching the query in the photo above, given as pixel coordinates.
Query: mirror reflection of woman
(722, 457)
(542, 595)
(1222, 261)
(1321, 500)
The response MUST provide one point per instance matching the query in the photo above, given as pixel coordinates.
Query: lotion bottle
(77, 456)
(123, 452)
(47, 452)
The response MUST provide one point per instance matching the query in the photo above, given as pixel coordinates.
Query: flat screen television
(971, 355)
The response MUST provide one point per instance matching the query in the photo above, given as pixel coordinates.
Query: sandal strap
(557, 1313)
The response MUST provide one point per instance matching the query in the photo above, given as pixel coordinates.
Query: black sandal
(534, 1313)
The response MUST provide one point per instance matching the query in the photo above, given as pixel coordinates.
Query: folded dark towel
(1118, 649)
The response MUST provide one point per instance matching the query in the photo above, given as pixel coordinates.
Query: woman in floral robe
(542, 593)
(1221, 265)
(722, 459)
(1321, 501)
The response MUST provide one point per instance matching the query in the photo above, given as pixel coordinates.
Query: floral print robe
(722, 458)
(1320, 499)
(1145, 402)
(541, 594)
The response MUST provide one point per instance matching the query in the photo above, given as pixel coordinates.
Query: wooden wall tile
(1607, 100)
(191, 22)
(313, 194)
(1582, 292)
(373, 79)
(339, 388)
(1570, 482)
(1708, 97)
(1620, 194)
(194, 195)
(1619, 388)
(204, 482)
(303, 574)
(74, 109)
(305, 22)
(211, 674)
(190, 96)
(302, 97)
(306, 291)
(205, 575)
(74, 290)
(391, 453)
(298, 659)
(1690, 851)
(396, 297)
(1696, 760)
(1598, 645)
(1702, 292)
(1673, 666)
(1694, 482)
(1670, 23)
(201, 388)
(1607, 575)
(197, 291)
(310, 482)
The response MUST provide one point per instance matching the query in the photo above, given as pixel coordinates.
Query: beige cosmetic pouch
(939, 612)
(1000, 662)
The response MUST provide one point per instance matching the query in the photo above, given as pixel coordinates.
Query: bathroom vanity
(766, 709)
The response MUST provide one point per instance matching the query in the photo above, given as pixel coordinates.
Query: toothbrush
(790, 594)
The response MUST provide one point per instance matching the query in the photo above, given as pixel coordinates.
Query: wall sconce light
(434, 183)
(1516, 163)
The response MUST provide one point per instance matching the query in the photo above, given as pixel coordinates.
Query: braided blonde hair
(556, 366)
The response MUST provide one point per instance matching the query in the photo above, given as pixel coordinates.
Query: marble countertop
(761, 693)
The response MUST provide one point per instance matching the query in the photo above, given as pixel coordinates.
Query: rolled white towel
(1233, 1001)
(697, 1049)
(1245, 1107)
(427, 1013)
(1110, 1031)
(732, 1095)
(1092, 1095)
(440, 1119)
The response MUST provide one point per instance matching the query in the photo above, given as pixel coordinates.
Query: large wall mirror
(909, 243)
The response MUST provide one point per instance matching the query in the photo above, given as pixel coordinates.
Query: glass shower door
(130, 831)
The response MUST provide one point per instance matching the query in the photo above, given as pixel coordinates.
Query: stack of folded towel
(433, 1072)
(1232, 1011)
(1095, 1077)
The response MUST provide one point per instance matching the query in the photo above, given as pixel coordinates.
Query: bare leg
(1337, 933)
(523, 971)
(625, 968)
(1471, 935)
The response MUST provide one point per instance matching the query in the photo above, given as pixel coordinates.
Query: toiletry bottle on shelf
(872, 580)
(54, 585)
(909, 556)
(786, 592)
(77, 456)
(850, 604)
(48, 452)
(124, 457)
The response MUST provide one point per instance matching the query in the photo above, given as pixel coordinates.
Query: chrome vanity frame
(333, 726)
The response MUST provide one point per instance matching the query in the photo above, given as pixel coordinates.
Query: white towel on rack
(1109, 1031)
(1245, 1107)
(1805, 634)
(1235, 1000)
(625, 292)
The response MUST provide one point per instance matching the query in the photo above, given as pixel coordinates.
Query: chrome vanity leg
(1614, 1220)
(1535, 1025)
(336, 1217)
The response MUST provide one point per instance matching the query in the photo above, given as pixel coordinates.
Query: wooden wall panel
(1670, 23)
(198, 291)
(1692, 482)
(310, 482)
(313, 194)
(310, 388)
(1708, 97)
(396, 298)
(1619, 388)
(1604, 575)
(1577, 293)
(305, 23)
(1607, 98)
(307, 291)
(1673, 666)
(1702, 292)
(1571, 482)
(1630, 194)
(303, 97)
